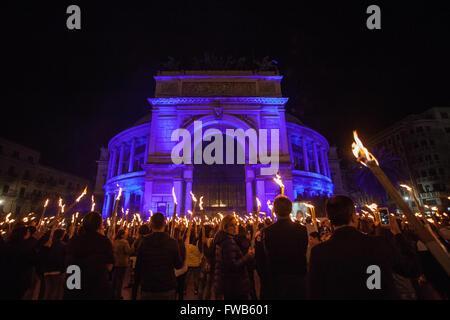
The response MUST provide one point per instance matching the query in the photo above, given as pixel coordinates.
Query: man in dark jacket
(52, 259)
(157, 258)
(281, 255)
(346, 266)
(17, 260)
(92, 252)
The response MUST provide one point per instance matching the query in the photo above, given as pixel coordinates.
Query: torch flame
(60, 202)
(258, 202)
(174, 196)
(62, 208)
(360, 152)
(193, 197)
(119, 194)
(46, 203)
(308, 205)
(373, 207)
(82, 194)
(406, 187)
(278, 181)
(200, 204)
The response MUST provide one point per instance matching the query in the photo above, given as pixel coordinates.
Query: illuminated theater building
(138, 159)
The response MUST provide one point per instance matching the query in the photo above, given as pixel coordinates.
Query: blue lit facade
(139, 158)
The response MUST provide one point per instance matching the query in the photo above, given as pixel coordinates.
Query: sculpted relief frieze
(219, 89)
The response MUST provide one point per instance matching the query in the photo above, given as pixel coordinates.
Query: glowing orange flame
(360, 152)
(82, 194)
(174, 196)
(46, 203)
(373, 207)
(406, 187)
(278, 181)
(193, 197)
(200, 204)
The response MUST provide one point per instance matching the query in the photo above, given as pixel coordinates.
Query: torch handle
(42, 217)
(172, 227)
(424, 235)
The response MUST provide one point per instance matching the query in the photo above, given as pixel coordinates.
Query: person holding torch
(281, 255)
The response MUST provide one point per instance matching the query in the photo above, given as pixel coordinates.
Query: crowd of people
(227, 258)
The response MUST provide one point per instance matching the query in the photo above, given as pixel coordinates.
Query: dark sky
(69, 92)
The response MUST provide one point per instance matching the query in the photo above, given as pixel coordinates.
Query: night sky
(68, 92)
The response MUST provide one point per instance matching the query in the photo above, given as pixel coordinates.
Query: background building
(25, 184)
(422, 142)
(139, 158)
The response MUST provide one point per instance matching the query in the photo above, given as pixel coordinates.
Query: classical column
(305, 154)
(122, 151)
(261, 193)
(141, 204)
(131, 163)
(111, 156)
(249, 176)
(113, 163)
(289, 188)
(327, 167)
(106, 205)
(323, 156)
(188, 198)
(316, 158)
(178, 186)
(147, 142)
(126, 200)
(148, 190)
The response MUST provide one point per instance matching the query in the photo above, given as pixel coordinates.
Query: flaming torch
(374, 208)
(172, 227)
(92, 203)
(279, 182)
(312, 209)
(112, 230)
(364, 157)
(200, 206)
(271, 209)
(77, 200)
(411, 191)
(194, 199)
(258, 205)
(43, 212)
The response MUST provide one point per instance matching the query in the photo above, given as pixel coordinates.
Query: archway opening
(221, 185)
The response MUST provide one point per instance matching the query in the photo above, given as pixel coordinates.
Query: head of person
(209, 232)
(314, 238)
(242, 232)
(230, 224)
(157, 222)
(19, 232)
(59, 234)
(120, 234)
(144, 230)
(341, 211)
(282, 207)
(92, 222)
